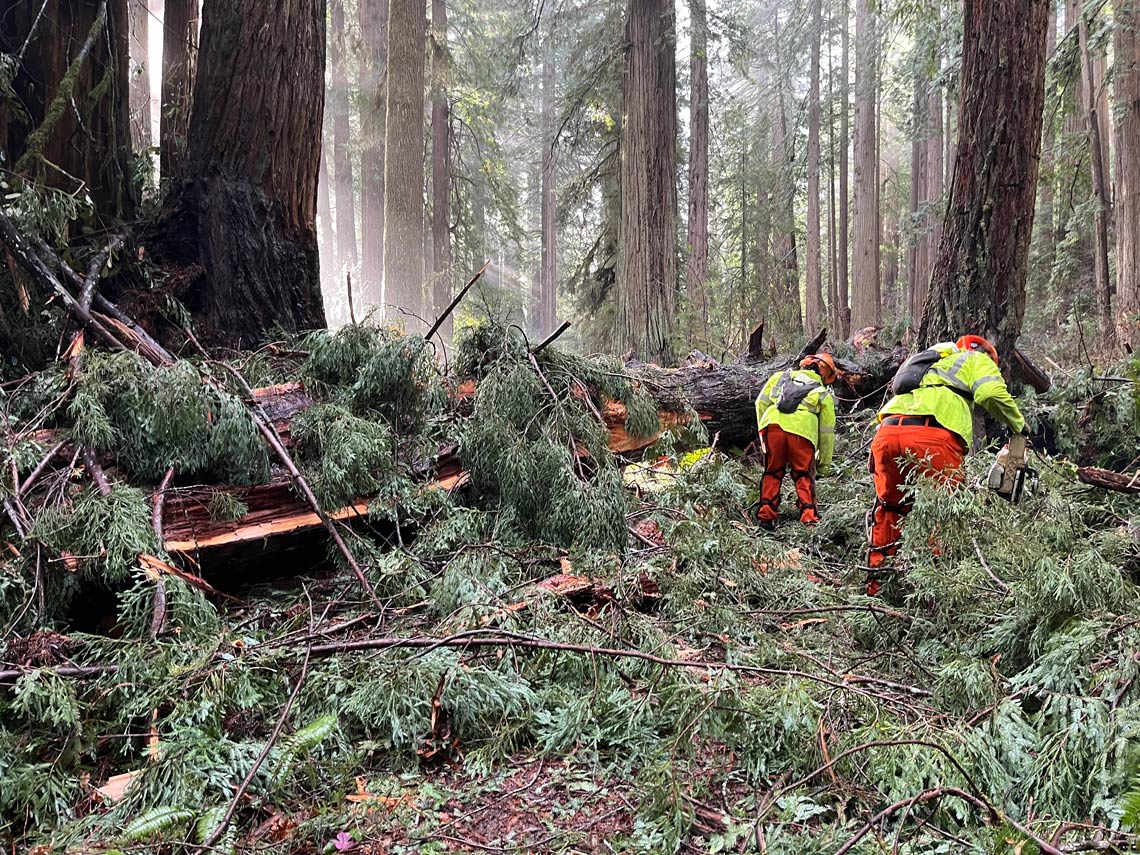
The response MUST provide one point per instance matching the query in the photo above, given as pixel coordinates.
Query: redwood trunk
(697, 266)
(1126, 80)
(344, 186)
(785, 309)
(546, 310)
(179, 59)
(1097, 160)
(844, 291)
(141, 137)
(647, 269)
(404, 159)
(866, 302)
(246, 208)
(440, 167)
(813, 315)
(373, 67)
(978, 284)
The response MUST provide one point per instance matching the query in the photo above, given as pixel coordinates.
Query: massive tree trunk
(245, 209)
(647, 268)
(139, 14)
(866, 300)
(404, 159)
(546, 308)
(813, 314)
(71, 130)
(1098, 162)
(1126, 80)
(440, 166)
(344, 186)
(179, 58)
(373, 69)
(697, 265)
(978, 284)
(843, 289)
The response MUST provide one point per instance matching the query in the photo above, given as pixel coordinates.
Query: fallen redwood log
(1109, 480)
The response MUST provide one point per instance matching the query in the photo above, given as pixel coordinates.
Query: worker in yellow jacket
(930, 420)
(795, 414)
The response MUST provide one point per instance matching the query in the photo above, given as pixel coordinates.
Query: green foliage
(155, 821)
(350, 456)
(299, 743)
(153, 418)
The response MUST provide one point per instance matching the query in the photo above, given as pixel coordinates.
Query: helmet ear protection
(979, 344)
(824, 364)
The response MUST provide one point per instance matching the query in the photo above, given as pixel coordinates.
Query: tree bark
(785, 308)
(546, 308)
(843, 288)
(245, 209)
(404, 160)
(373, 71)
(1046, 226)
(866, 301)
(926, 172)
(72, 128)
(978, 284)
(647, 271)
(697, 265)
(813, 315)
(139, 14)
(440, 167)
(179, 61)
(1126, 80)
(344, 186)
(1097, 161)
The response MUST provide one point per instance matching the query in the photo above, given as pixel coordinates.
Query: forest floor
(567, 653)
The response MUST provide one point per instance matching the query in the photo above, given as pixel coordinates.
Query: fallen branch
(1108, 480)
(550, 339)
(455, 301)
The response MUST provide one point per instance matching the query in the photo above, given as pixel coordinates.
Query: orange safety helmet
(823, 364)
(976, 342)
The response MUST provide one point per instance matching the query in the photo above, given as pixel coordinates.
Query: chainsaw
(1011, 475)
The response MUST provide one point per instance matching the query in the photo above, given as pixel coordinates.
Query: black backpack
(792, 393)
(910, 373)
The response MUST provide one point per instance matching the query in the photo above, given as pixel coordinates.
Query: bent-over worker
(795, 414)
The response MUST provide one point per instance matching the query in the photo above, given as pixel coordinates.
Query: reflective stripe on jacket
(814, 419)
(957, 381)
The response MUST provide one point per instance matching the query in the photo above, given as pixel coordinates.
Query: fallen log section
(1107, 479)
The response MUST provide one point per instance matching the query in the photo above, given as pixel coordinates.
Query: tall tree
(786, 306)
(546, 306)
(926, 164)
(344, 186)
(246, 210)
(373, 69)
(1126, 82)
(813, 314)
(179, 58)
(1094, 128)
(978, 284)
(844, 264)
(139, 16)
(403, 158)
(647, 266)
(71, 129)
(440, 165)
(697, 265)
(866, 300)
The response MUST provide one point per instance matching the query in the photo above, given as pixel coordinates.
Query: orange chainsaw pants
(782, 451)
(899, 455)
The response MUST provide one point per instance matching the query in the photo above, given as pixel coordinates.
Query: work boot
(767, 525)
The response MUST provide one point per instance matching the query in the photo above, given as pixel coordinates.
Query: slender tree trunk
(440, 166)
(345, 187)
(844, 311)
(647, 271)
(697, 268)
(139, 14)
(832, 246)
(1126, 81)
(1100, 188)
(978, 284)
(926, 177)
(246, 209)
(1046, 226)
(787, 299)
(179, 60)
(403, 159)
(813, 316)
(326, 240)
(373, 62)
(866, 303)
(546, 310)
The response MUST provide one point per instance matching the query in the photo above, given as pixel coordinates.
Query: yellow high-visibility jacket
(948, 391)
(814, 419)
